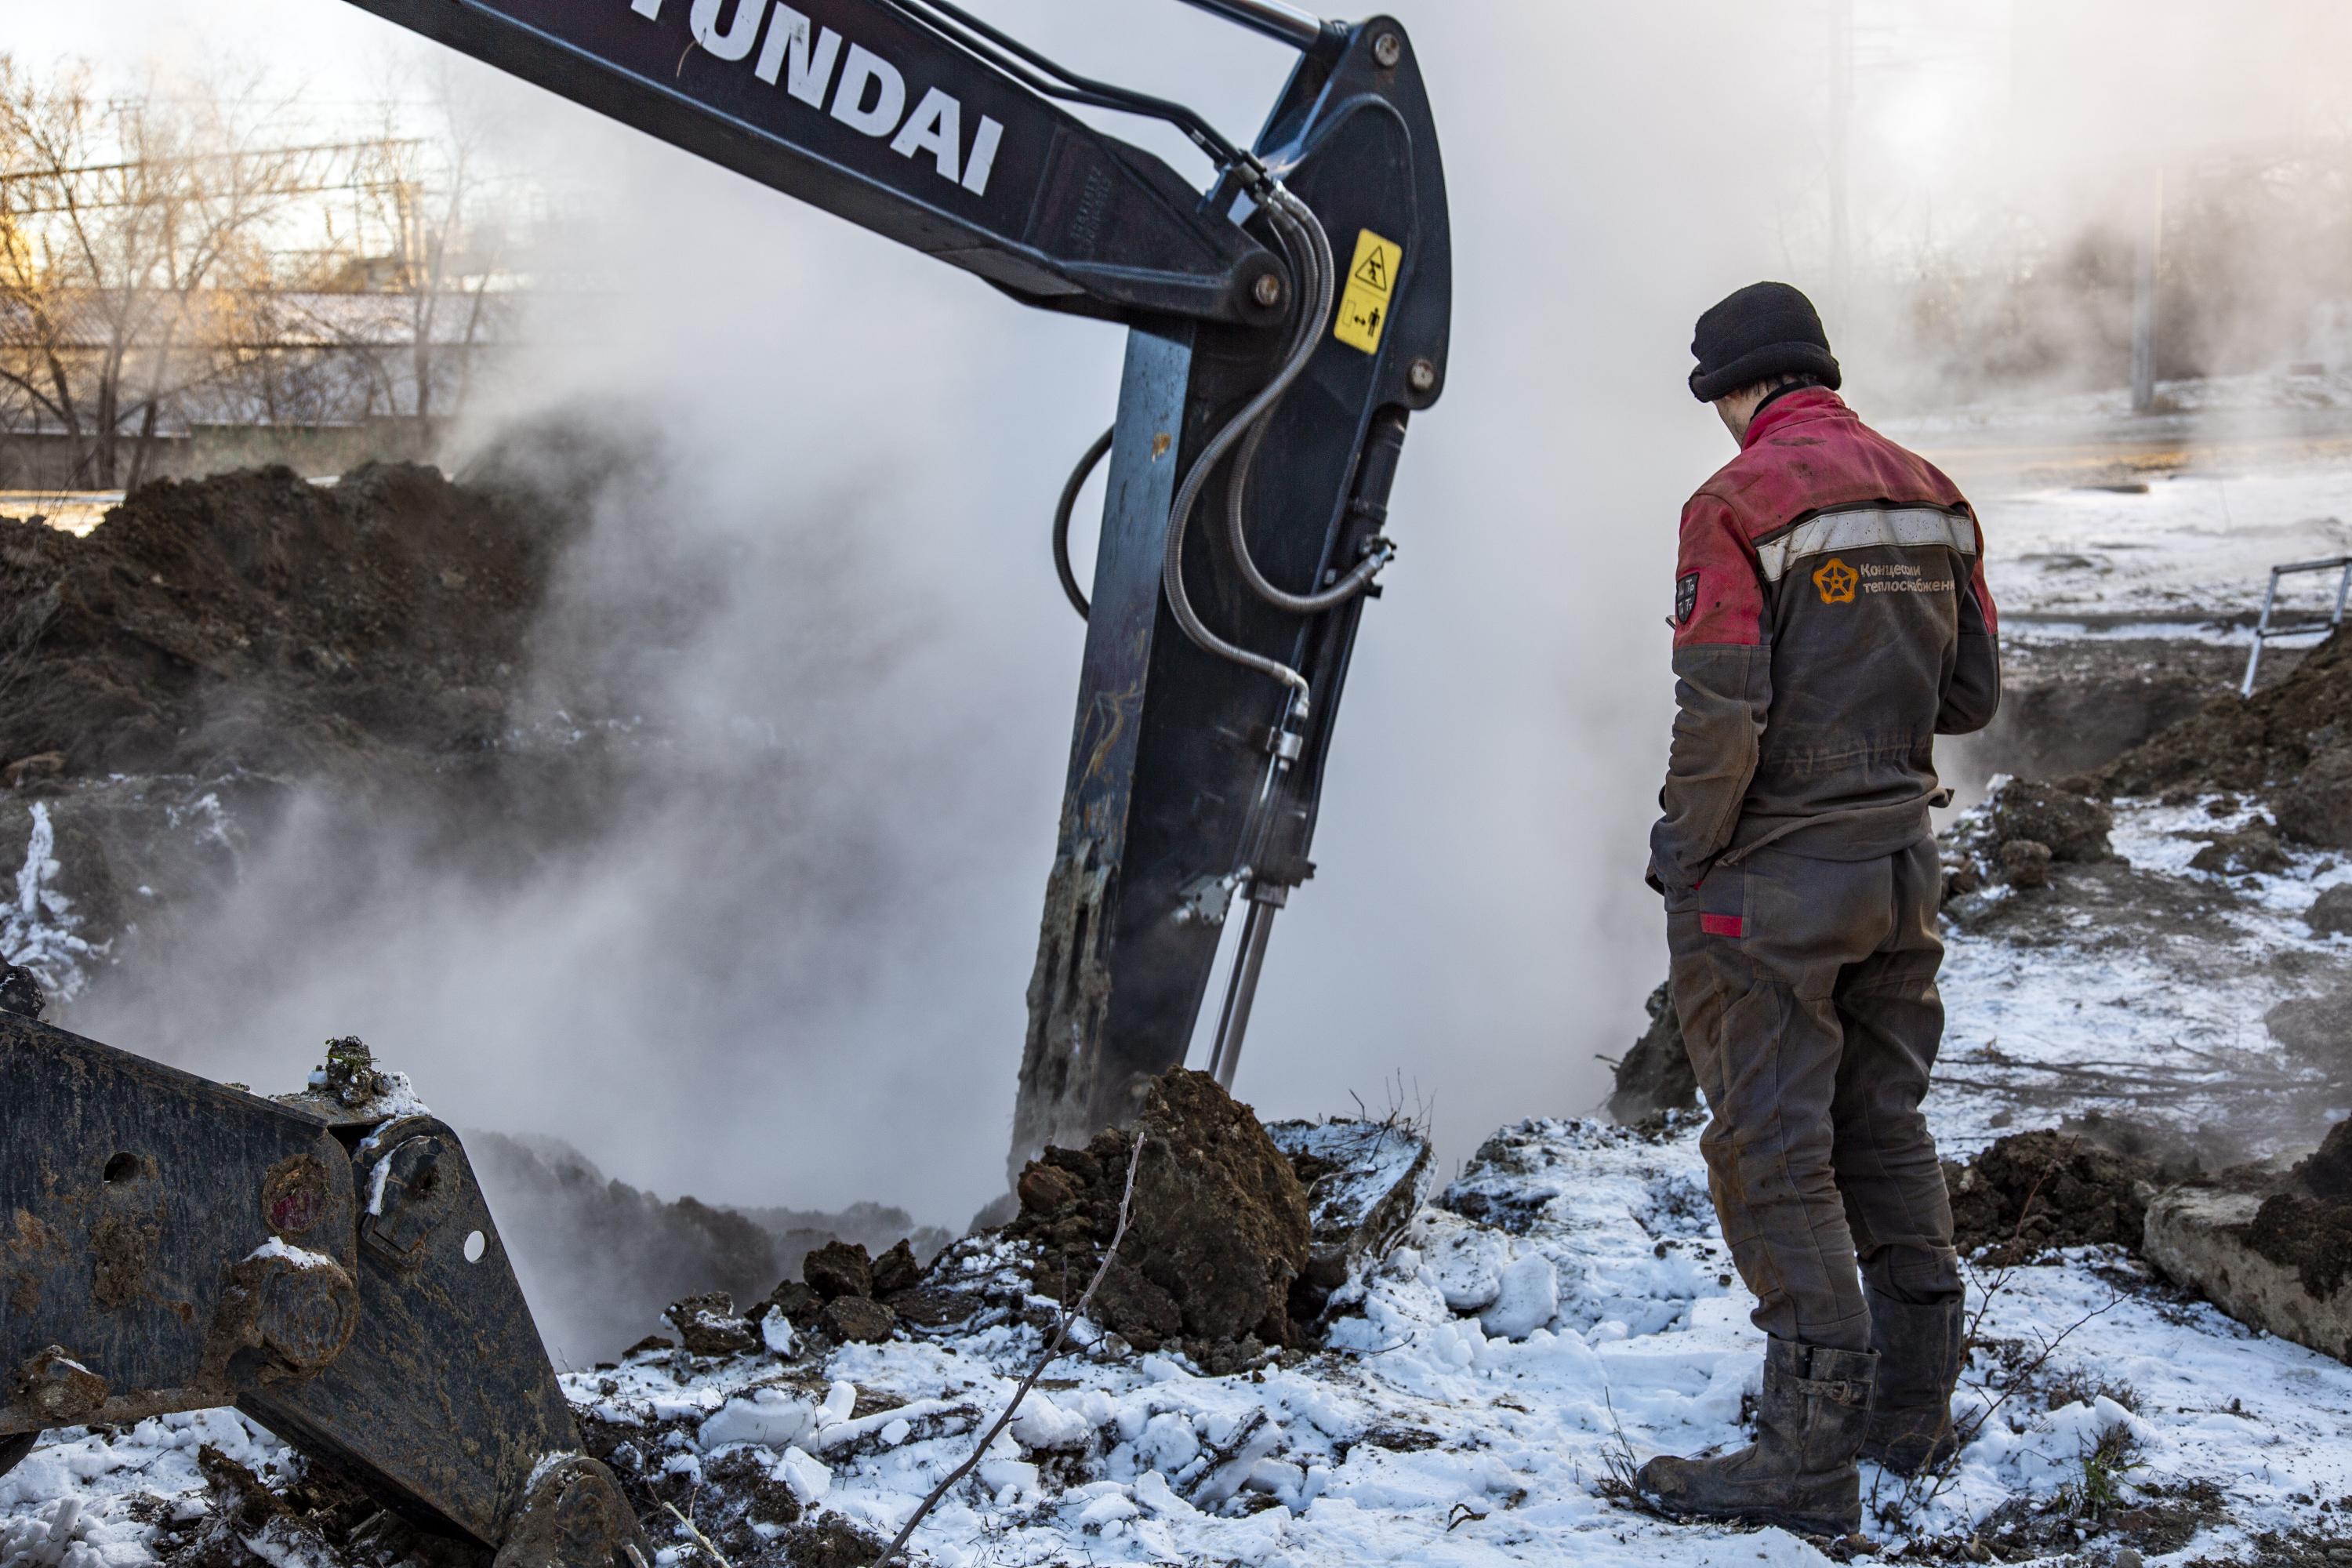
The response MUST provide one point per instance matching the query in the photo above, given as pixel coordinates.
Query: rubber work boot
(1920, 1351)
(1799, 1473)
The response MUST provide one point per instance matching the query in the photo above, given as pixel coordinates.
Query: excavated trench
(2072, 704)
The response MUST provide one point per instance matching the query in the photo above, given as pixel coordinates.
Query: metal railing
(2264, 632)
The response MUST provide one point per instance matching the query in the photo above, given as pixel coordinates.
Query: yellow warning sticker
(1371, 287)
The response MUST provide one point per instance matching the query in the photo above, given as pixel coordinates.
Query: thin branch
(700, 1538)
(2017, 1381)
(1047, 1358)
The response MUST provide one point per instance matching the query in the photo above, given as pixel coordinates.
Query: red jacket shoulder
(1808, 453)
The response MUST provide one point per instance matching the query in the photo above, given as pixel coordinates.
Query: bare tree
(124, 228)
(436, 239)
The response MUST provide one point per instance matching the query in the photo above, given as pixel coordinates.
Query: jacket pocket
(1723, 901)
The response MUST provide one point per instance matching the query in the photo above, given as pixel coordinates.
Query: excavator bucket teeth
(169, 1244)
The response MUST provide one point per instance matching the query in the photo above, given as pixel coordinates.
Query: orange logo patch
(1836, 580)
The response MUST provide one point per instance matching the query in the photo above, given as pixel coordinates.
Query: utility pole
(1841, 114)
(2144, 260)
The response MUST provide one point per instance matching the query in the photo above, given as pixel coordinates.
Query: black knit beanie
(1763, 330)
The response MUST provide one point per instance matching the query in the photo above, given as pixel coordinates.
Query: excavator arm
(1213, 670)
(331, 1269)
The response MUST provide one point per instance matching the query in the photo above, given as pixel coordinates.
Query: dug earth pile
(1218, 1230)
(1238, 1238)
(2032, 1192)
(2291, 743)
(219, 655)
(255, 622)
(171, 683)
(2307, 1226)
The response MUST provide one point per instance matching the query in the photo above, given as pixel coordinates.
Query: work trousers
(1807, 994)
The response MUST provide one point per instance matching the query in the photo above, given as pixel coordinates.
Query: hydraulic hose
(1313, 259)
(1069, 503)
(1188, 495)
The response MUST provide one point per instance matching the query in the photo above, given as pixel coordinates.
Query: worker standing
(1830, 619)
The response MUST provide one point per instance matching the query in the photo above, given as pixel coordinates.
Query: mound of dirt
(2290, 742)
(2331, 913)
(2034, 1191)
(1656, 1076)
(255, 622)
(1220, 1231)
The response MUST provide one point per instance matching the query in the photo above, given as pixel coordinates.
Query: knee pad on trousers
(1914, 1276)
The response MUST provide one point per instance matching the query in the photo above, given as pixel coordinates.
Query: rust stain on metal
(120, 1247)
(294, 1194)
(31, 1245)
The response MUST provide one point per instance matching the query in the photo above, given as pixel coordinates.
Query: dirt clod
(798, 1303)
(20, 992)
(2327, 1171)
(2311, 1236)
(1220, 1228)
(896, 1271)
(859, 1319)
(2317, 808)
(2025, 863)
(710, 1326)
(1656, 1076)
(831, 1541)
(2034, 1191)
(932, 1309)
(2253, 847)
(839, 1268)
(2331, 913)
(2073, 826)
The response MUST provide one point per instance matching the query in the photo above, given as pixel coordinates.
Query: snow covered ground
(2193, 546)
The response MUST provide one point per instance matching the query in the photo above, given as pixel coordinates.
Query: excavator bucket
(325, 1263)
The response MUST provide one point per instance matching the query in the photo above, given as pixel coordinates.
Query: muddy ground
(2071, 706)
(2290, 742)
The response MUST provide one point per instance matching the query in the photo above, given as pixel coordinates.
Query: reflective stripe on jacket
(1831, 620)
